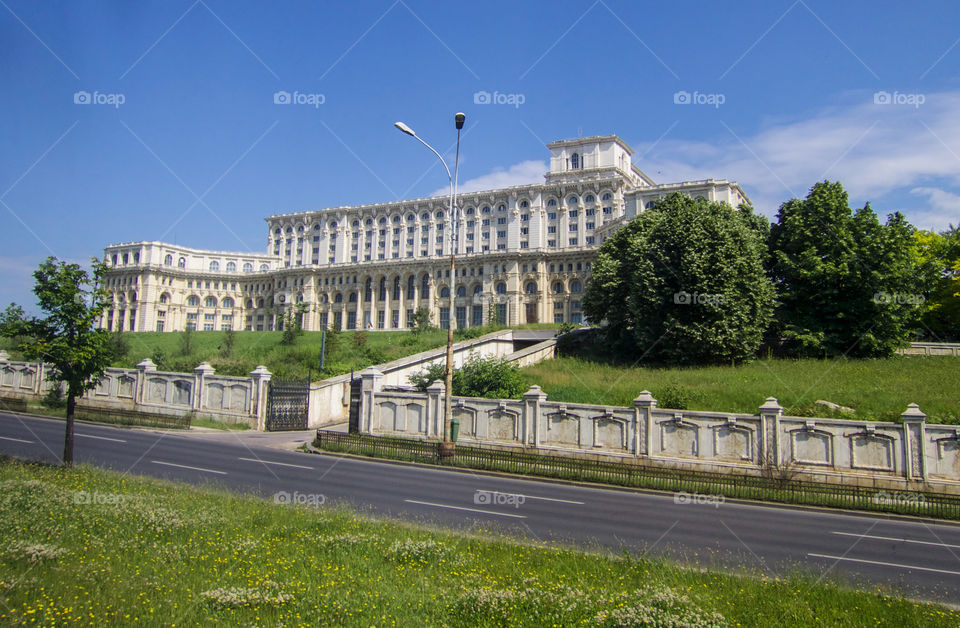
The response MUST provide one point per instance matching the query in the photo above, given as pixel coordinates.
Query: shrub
(492, 377)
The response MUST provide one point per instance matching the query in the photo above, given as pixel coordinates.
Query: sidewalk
(252, 438)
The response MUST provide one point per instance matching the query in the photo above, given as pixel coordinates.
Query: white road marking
(486, 512)
(883, 564)
(890, 538)
(116, 440)
(282, 464)
(16, 440)
(183, 466)
(546, 499)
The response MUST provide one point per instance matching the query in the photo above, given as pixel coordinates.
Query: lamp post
(448, 445)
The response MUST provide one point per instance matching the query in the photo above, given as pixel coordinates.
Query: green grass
(218, 425)
(94, 547)
(876, 389)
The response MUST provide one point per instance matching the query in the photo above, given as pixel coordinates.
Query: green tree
(229, 339)
(421, 320)
(186, 341)
(940, 256)
(66, 337)
(683, 284)
(847, 284)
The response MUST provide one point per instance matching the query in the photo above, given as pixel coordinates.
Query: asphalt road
(915, 558)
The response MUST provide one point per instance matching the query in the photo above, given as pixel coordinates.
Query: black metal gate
(288, 404)
(356, 385)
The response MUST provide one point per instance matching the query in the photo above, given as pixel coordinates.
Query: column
(200, 373)
(143, 369)
(435, 409)
(914, 432)
(531, 415)
(371, 383)
(769, 436)
(643, 407)
(260, 377)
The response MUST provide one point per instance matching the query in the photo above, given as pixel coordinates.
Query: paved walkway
(253, 438)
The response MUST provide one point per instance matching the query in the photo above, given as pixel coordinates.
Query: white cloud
(518, 174)
(876, 151)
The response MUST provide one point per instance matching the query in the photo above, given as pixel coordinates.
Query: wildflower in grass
(267, 594)
(33, 552)
(410, 551)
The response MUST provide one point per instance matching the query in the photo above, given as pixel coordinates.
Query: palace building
(523, 255)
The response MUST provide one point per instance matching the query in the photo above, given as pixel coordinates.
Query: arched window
(352, 298)
(164, 298)
(444, 292)
(396, 219)
(355, 224)
(411, 286)
(396, 288)
(607, 196)
(277, 231)
(477, 289)
(501, 288)
(425, 286)
(181, 263)
(133, 297)
(249, 304)
(260, 303)
(576, 287)
(575, 161)
(589, 198)
(531, 287)
(552, 202)
(469, 211)
(558, 288)
(317, 227)
(299, 297)
(231, 267)
(248, 267)
(486, 209)
(300, 229)
(368, 222)
(439, 216)
(264, 268)
(168, 260)
(368, 289)
(333, 225)
(461, 291)
(382, 221)
(227, 302)
(382, 291)
(210, 302)
(524, 204)
(501, 208)
(651, 205)
(193, 300)
(411, 217)
(572, 200)
(324, 298)
(214, 266)
(338, 298)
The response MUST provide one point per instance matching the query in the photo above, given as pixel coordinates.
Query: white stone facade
(523, 255)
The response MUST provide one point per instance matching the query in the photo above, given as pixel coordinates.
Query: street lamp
(459, 118)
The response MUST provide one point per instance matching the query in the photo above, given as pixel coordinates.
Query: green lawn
(876, 389)
(95, 547)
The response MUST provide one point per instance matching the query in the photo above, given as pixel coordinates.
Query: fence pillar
(914, 432)
(769, 436)
(531, 415)
(435, 398)
(260, 377)
(643, 407)
(200, 373)
(143, 368)
(371, 383)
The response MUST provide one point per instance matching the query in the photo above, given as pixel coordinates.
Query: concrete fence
(908, 455)
(931, 348)
(145, 389)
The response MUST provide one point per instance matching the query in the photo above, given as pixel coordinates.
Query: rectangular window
(524, 245)
(573, 242)
(159, 325)
(381, 318)
(226, 327)
(524, 217)
(591, 212)
(395, 319)
(409, 319)
(338, 320)
(590, 225)
(461, 316)
(444, 318)
(524, 230)
(576, 317)
(572, 227)
(501, 247)
(558, 318)
(208, 327)
(551, 229)
(351, 320)
(476, 318)
(591, 240)
(551, 215)
(574, 213)
(486, 222)
(551, 243)
(502, 220)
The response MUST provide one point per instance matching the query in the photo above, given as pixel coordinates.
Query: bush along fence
(146, 396)
(910, 455)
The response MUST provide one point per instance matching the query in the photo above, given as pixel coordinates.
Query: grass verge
(877, 390)
(89, 546)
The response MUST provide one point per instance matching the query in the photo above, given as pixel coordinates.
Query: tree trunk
(68, 437)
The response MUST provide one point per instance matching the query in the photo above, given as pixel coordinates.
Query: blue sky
(177, 136)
